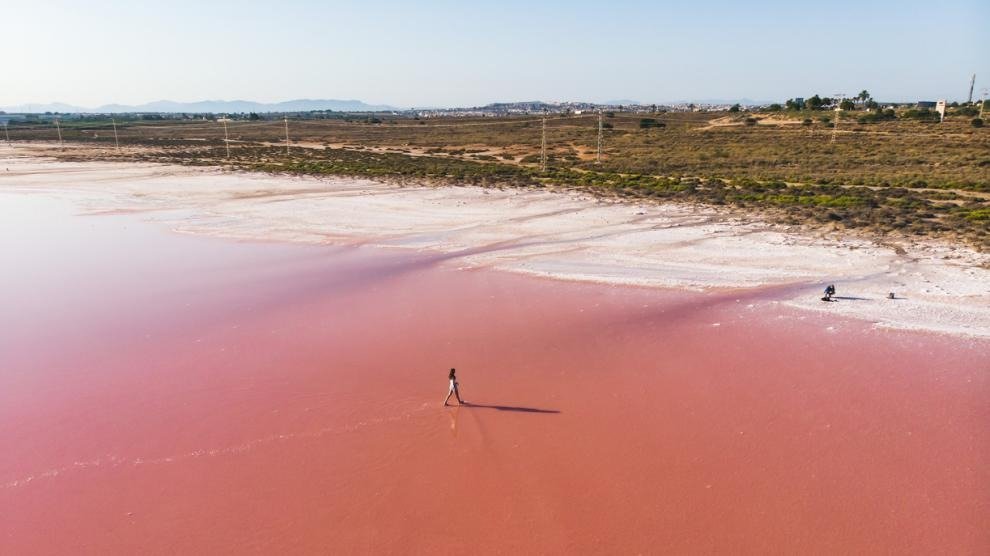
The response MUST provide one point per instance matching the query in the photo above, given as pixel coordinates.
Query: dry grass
(902, 178)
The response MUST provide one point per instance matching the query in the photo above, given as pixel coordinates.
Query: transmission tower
(983, 100)
(286, 135)
(116, 140)
(543, 144)
(972, 83)
(598, 160)
(226, 138)
(839, 97)
(58, 128)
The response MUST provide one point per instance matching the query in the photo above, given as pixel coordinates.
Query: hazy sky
(468, 53)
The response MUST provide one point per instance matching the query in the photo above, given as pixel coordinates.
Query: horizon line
(27, 108)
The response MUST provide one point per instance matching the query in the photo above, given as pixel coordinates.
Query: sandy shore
(559, 234)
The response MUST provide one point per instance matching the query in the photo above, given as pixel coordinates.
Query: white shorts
(453, 386)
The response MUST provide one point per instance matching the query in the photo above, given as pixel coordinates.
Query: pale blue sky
(467, 53)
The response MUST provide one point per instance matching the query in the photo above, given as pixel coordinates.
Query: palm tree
(863, 96)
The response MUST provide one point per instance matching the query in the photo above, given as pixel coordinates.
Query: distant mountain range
(209, 106)
(304, 105)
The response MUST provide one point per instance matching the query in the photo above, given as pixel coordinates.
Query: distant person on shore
(453, 388)
(829, 292)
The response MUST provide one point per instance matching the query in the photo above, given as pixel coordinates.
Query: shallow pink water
(162, 393)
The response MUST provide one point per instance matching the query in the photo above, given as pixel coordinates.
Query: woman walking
(453, 388)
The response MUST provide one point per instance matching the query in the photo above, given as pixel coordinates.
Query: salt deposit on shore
(563, 235)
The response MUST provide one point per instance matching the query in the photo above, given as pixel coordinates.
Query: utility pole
(972, 83)
(6, 132)
(59, 129)
(598, 160)
(286, 135)
(116, 140)
(838, 112)
(543, 144)
(226, 138)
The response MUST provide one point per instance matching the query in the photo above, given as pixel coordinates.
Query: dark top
(451, 375)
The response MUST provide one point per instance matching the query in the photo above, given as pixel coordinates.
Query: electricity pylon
(543, 143)
(598, 159)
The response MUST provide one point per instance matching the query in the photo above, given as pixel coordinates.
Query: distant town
(210, 111)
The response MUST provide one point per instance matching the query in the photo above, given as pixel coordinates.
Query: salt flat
(559, 234)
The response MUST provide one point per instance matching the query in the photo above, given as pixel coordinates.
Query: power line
(320, 124)
(181, 129)
(339, 123)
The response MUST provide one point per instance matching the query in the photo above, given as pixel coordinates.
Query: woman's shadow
(508, 408)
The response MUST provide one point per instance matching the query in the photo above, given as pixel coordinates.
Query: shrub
(879, 116)
(923, 115)
(976, 122)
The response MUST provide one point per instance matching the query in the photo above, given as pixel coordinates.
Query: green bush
(878, 116)
(922, 115)
(978, 214)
